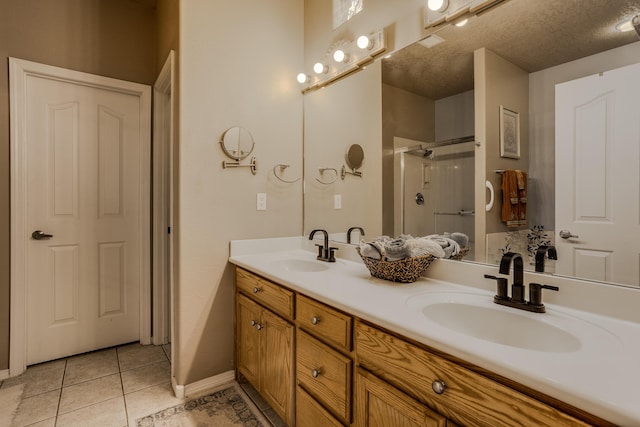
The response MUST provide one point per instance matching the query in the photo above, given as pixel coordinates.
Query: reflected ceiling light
(364, 42)
(302, 78)
(625, 26)
(320, 68)
(462, 22)
(438, 5)
(340, 56)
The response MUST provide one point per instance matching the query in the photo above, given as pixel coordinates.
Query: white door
(86, 160)
(597, 178)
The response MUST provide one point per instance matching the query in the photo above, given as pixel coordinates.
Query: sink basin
(301, 265)
(478, 317)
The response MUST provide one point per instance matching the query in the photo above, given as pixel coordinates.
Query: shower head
(428, 153)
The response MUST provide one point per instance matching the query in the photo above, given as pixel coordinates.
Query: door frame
(162, 277)
(19, 70)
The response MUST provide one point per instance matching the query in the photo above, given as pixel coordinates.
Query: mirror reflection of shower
(435, 187)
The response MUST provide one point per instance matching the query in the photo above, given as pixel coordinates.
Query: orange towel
(514, 198)
(521, 177)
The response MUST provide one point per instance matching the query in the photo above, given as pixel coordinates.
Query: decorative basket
(461, 254)
(406, 270)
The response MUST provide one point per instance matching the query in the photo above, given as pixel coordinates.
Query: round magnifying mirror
(237, 143)
(355, 156)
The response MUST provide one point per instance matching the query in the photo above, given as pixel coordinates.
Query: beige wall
(106, 37)
(497, 82)
(347, 112)
(238, 62)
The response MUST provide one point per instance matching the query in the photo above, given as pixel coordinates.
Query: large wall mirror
(434, 108)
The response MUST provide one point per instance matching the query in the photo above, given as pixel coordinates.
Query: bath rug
(229, 407)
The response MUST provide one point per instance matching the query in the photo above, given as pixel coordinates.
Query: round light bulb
(625, 26)
(364, 42)
(340, 56)
(438, 5)
(302, 78)
(320, 68)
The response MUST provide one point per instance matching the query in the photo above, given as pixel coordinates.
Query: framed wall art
(509, 133)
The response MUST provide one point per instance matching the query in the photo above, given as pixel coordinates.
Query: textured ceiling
(533, 34)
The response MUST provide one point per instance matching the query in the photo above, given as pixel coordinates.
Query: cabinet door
(248, 317)
(379, 404)
(277, 364)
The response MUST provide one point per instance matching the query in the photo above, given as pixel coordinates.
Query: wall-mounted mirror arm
(323, 170)
(279, 169)
(253, 165)
(354, 172)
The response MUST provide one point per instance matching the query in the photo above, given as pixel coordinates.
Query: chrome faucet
(360, 229)
(517, 288)
(541, 252)
(325, 253)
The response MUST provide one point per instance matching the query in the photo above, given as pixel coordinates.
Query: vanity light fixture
(364, 42)
(438, 5)
(303, 78)
(462, 22)
(320, 68)
(340, 56)
(343, 58)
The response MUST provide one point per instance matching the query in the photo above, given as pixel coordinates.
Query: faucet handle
(320, 249)
(331, 254)
(502, 286)
(535, 293)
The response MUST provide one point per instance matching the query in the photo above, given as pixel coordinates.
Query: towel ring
(282, 167)
(491, 194)
(323, 170)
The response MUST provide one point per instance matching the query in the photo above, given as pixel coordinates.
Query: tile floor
(112, 387)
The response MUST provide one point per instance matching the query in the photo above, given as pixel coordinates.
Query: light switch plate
(261, 202)
(337, 201)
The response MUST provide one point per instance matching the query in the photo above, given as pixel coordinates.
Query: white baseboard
(4, 374)
(178, 389)
(199, 387)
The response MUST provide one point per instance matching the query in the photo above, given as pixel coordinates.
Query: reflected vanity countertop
(601, 377)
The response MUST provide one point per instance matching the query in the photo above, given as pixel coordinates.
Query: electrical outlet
(261, 202)
(337, 201)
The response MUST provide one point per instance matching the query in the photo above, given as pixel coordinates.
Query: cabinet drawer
(469, 398)
(310, 413)
(266, 293)
(325, 374)
(324, 322)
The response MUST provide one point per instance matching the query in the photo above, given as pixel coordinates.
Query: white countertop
(602, 378)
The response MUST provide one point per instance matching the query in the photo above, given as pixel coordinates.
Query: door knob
(39, 235)
(566, 234)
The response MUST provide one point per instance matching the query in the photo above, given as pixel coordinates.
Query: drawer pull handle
(253, 323)
(256, 290)
(315, 320)
(259, 326)
(438, 386)
(315, 373)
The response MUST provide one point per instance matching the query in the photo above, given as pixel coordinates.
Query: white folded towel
(422, 246)
(397, 249)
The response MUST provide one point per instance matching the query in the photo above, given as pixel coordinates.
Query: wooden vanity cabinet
(318, 366)
(464, 396)
(265, 342)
